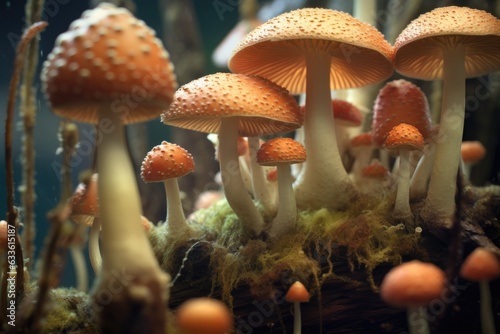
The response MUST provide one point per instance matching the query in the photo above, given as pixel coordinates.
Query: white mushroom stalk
(323, 180)
(442, 187)
(262, 191)
(234, 187)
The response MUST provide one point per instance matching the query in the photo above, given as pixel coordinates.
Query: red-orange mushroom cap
(472, 151)
(400, 101)
(203, 316)
(85, 201)
(404, 136)
(277, 49)
(481, 265)
(166, 161)
(413, 283)
(375, 170)
(108, 57)
(297, 293)
(281, 150)
(261, 106)
(346, 113)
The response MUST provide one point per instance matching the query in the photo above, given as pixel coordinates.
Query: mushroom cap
(261, 106)
(297, 293)
(363, 139)
(166, 161)
(480, 265)
(400, 101)
(418, 49)
(108, 59)
(472, 151)
(203, 316)
(412, 283)
(3, 233)
(346, 113)
(376, 170)
(277, 49)
(404, 136)
(85, 201)
(281, 150)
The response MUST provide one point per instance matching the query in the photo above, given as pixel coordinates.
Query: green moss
(362, 234)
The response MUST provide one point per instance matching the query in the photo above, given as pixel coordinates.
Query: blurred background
(193, 31)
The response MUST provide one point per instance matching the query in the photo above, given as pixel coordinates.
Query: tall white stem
(440, 200)
(94, 249)
(234, 188)
(323, 180)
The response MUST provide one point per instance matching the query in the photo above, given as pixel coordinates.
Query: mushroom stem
(442, 187)
(287, 209)
(297, 318)
(128, 259)
(78, 258)
(323, 180)
(420, 178)
(487, 322)
(175, 221)
(402, 208)
(261, 190)
(94, 250)
(417, 320)
(234, 187)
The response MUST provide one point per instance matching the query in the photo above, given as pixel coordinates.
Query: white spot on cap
(84, 72)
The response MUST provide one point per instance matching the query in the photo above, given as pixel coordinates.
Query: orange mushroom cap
(472, 151)
(261, 106)
(108, 58)
(404, 136)
(363, 139)
(400, 101)
(85, 201)
(272, 175)
(166, 161)
(375, 169)
(281, 150)
(276, 49)
(3, 234)
(203, 316)
(297, 293)
(480, 265)
(412, 283)
(346, 113)
(418, 49)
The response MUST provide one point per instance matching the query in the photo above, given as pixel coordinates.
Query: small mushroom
(297, 293)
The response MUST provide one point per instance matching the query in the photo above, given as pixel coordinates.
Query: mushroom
(413, 285)
(314, 50)
(361, 148)
(232, 105)
(203, 316)
(166, 163)
(402, 139)
(85, 210)
(296, 294)
(109, 69)
(282, 152)
(346, 116)
(375, 179)
(451, 44)
(471, 153)
(483, 266)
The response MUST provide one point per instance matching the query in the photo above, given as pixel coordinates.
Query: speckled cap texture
(108, 59)
(261, 106)
(278, 48)
(418, 49)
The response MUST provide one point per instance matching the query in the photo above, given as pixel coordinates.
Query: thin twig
(33, 9)
(28, 35)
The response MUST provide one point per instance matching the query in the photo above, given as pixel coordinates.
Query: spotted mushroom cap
(400, 101)
(404, 136)
(277, 49)
(261, 106)
(281, 150)
(108, 59)
(166, 161)
(418, 49)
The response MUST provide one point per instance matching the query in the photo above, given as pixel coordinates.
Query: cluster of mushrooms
(109, 69)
